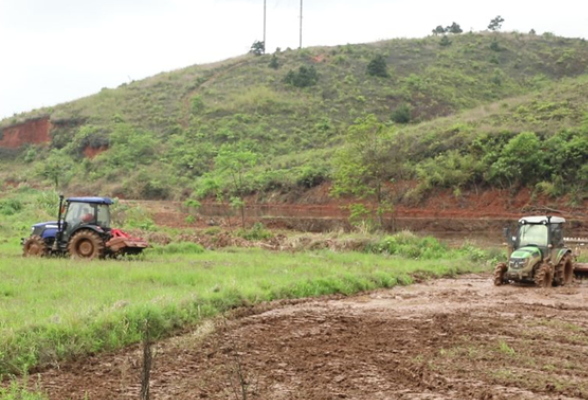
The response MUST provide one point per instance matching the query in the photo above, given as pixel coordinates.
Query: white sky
(53, 51)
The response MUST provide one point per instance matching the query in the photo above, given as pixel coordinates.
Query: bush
(445, 41)
(378, 67)
(306, 76)
(401, 115)
(274, 62)
(257, 232)
(10, 206)
(155, 190)
(406, 244)
(311, 175)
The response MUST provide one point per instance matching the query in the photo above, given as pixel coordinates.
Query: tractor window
(557, 235)
(103, 216)
(533, 234)
(75, 211)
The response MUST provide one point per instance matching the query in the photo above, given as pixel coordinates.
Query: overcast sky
(53, 51)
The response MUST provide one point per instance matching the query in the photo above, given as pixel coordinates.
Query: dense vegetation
(476, 110)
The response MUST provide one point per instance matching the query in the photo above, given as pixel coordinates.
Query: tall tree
(361, 166)
(236, 164)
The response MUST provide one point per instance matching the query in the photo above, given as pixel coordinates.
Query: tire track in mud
(444, 339)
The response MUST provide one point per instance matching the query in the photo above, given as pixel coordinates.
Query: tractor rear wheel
(544, 276)
(35, 246)
(564, 272)
(499, 273)
(86, 244)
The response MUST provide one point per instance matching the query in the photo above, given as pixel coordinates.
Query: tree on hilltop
(439, 30)
(454, 28)
(257, 48)
(496, 23)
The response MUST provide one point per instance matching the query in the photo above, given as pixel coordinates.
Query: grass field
(56, 309)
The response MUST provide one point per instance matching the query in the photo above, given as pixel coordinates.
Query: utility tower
(300, 46)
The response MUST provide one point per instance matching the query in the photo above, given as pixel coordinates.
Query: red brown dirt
(316, 210)
(91, 152)
(35, 131)
(445, 339)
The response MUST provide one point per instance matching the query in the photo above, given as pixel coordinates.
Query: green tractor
(537, 254)
(82, 230)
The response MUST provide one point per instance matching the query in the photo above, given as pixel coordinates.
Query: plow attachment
(122, 243)
(580, 247)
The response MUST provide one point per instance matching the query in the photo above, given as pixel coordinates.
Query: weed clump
(257, 232)
(407, 244)
(178, 248)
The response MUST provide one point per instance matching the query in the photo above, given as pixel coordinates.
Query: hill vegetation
(463, 111)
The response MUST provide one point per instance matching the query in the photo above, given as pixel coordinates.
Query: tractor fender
(94, 228)
(560, 254)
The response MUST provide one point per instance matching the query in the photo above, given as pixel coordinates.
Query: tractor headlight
(517, 263)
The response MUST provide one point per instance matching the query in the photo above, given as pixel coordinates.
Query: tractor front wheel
(499, 273)
(86, 244)
(544, 276)
(35, 246)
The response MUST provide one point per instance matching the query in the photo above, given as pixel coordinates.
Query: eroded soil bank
(445, 339)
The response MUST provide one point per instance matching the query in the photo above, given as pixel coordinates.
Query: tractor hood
(50, 224)
(46, 230)
(526, 252)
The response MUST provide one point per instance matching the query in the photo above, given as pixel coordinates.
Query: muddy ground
(444, 339)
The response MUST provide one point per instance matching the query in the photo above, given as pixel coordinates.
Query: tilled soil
(444, 339)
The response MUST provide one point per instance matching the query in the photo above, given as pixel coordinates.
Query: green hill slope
(453, 104)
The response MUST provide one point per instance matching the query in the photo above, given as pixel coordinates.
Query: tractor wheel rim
(86, 248)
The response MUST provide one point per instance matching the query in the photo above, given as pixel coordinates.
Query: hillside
(459, 113)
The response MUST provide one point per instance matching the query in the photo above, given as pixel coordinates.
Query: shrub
(494, 46)
(10, 206)
(407, 244)
(306, 76)
(274, 63)
(378, 67)
(445, 41)
(311, 175)
(401, 115)
(155, 190)
(257, 232)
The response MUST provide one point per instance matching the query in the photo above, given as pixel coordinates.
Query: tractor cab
(538, 233)
(536, 253)
(86, 212)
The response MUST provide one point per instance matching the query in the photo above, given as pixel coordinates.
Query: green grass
(54, 309)
(16, 390)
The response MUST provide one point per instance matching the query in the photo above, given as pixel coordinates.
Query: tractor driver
(87, 215)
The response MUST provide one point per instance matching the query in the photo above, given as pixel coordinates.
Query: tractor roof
(93, 200)
(541, 220)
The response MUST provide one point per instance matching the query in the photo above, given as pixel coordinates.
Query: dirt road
(445, 339)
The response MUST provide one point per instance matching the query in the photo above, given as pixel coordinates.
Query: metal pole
(300, 25)
(264, 22)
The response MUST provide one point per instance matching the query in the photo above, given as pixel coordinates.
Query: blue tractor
(82, 230)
